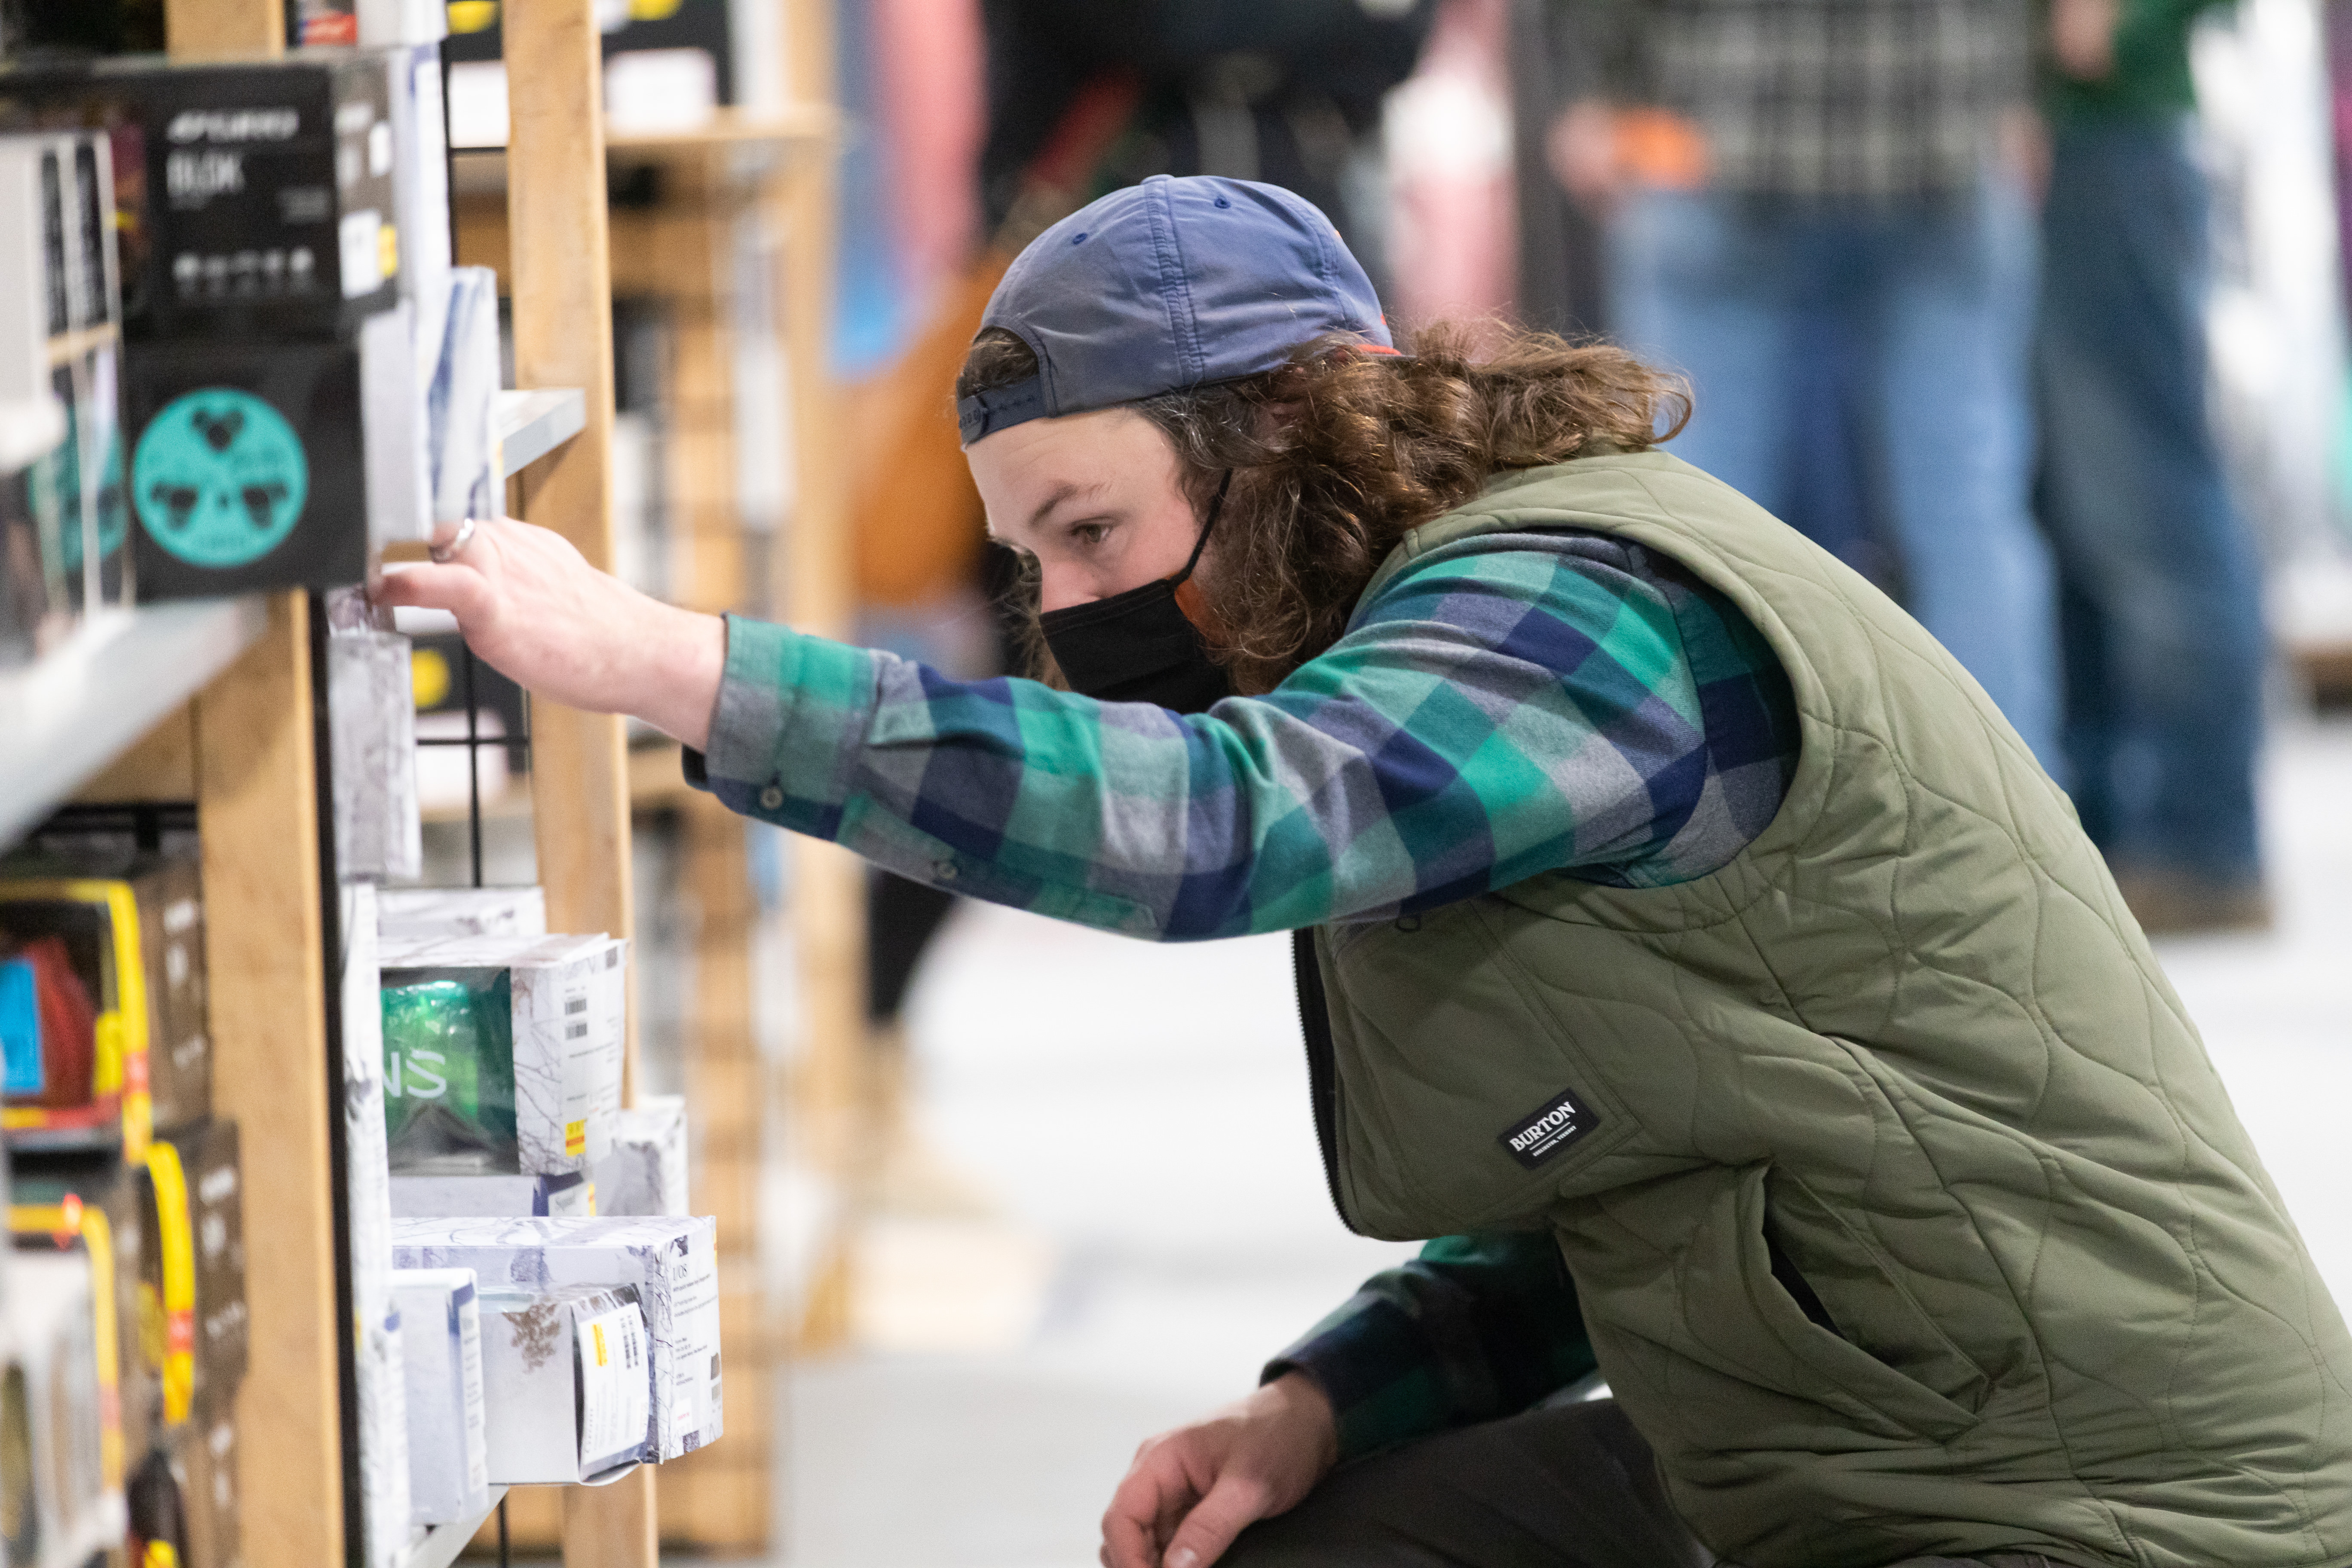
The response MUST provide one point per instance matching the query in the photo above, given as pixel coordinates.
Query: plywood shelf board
(532, 424)
(29, 428)
(69, 715)
(443, 1543)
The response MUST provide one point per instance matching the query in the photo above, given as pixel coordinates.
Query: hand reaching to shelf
(534, 609)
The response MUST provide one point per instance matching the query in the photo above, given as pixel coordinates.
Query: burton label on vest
(1551, 1131)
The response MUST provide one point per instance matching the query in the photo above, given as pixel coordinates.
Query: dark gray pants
(1567, 1486)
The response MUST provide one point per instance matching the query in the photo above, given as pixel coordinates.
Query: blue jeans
(1931, 299)
(2160, 592)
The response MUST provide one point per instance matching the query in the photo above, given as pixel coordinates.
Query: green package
(449, 1071)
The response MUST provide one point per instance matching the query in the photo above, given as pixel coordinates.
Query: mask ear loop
(1216, 510)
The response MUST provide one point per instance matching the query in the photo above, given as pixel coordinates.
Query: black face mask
(1138, 647)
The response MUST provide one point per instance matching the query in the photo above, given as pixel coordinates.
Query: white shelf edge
(533, 423)
(442, 1543)
(29, 428)
(69, 714)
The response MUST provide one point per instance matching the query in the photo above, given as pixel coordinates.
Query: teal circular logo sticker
(219, 478)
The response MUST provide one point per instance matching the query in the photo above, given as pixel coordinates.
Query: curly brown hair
(1338, 454)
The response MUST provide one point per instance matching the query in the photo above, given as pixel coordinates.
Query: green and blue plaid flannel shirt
(1511, 704)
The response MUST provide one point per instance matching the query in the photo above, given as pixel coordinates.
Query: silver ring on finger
(445, 554)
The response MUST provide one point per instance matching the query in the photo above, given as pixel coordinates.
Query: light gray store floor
(1141, 1115)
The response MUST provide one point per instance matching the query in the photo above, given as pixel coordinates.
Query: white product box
(572, 1197)
(645, 1172)
(396, 434)
(672, 1264)
(372, 712)
(564, 1034)
(462, 400)
(50, 1326)
(567, 1377)
(383, 1398)
(462, 911)
(441, 1348)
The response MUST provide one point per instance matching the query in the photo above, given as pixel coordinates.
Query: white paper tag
(615, 1385)
(361, 246)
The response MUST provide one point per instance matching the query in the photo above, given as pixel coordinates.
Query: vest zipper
(1322, 1077)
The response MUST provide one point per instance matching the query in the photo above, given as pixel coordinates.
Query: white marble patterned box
(567, 1388)
(572, 1197)
(672, 1263)
(441, 1346)
(645, 1172)
(569, 1018)
(462, 911)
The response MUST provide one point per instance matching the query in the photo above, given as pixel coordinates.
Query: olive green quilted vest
(1906, 1065)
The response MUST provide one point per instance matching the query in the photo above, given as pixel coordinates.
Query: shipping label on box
(671, 1263)
(567, 1383)
(502, 1054)
(441, 1346)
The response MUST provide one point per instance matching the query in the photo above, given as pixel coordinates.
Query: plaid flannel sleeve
(1475, 1328)
(1497, 714)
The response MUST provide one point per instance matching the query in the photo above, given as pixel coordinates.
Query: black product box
(179, 1026)
(193, 1182)
(204, 1465)
(97, 1202)
(248, 466)
(253, 198)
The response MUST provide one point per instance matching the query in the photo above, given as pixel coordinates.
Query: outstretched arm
(531, 605)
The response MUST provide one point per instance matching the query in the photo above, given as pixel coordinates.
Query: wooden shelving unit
(769, 176)
(215, 703)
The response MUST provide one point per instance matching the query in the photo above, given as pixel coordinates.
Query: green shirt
(2151, 76)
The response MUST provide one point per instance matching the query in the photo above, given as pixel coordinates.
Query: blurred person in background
(1082, 98)
(1767, 163)
(2159, 587)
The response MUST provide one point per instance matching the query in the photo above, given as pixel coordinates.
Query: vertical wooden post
(817, 595)
(224, 29)
(560, 282)
(562, 285)
(259, 809)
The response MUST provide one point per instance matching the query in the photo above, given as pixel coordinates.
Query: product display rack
(221, 703)
(757, 183)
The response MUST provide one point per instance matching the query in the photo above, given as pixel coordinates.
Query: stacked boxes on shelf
(564, 1347)
(287, 294)
(61, 515)
(123, 1179)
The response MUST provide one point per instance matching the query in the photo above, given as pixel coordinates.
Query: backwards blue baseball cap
(1170, 284)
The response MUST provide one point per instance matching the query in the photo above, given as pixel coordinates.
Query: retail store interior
(444, 1121)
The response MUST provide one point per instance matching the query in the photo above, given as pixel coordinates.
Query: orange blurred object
(1662, 150)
